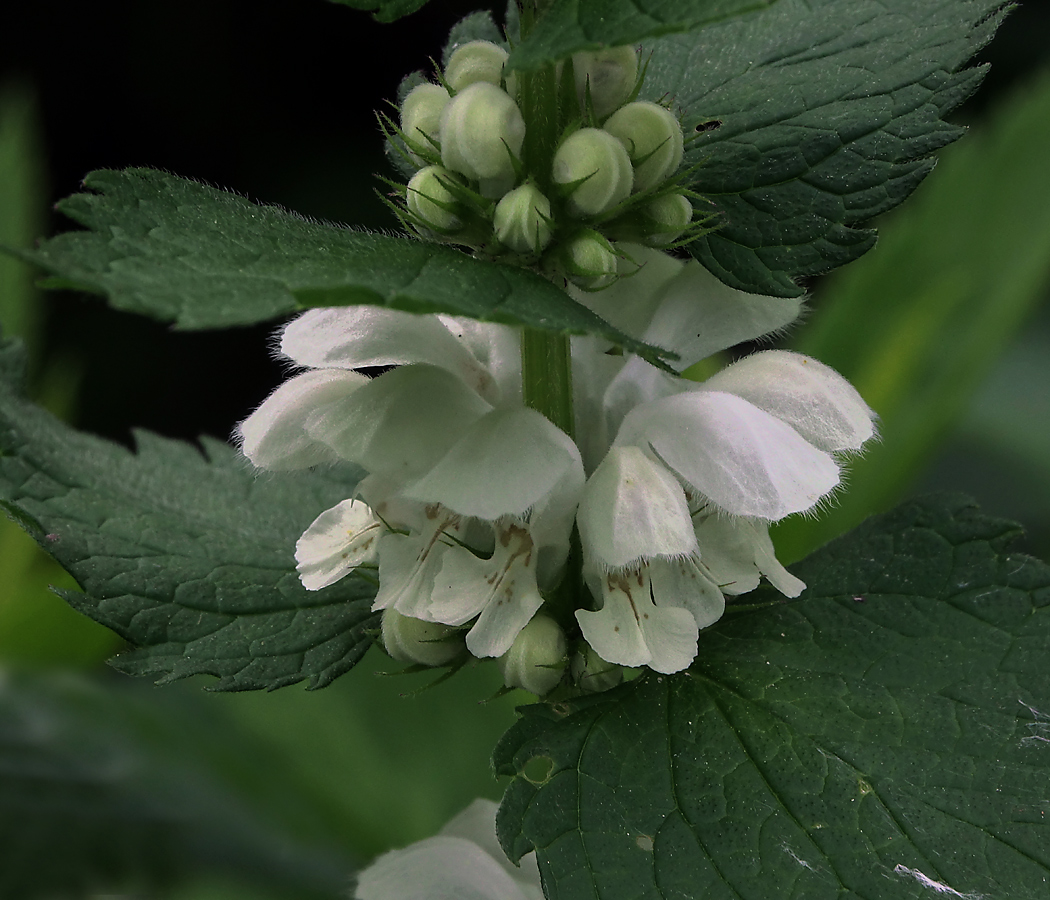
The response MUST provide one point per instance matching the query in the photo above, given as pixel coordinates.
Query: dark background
(272, 99)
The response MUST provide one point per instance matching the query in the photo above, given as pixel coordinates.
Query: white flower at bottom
(339, 540)
(464, 861)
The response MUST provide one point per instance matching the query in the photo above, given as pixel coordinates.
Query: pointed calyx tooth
(537, 658)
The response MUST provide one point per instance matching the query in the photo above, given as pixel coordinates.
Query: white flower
(470, 498)
(464, 861)
(676, 514)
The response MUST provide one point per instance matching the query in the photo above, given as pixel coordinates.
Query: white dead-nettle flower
(471, 498)
(675, 516)
(464, 860)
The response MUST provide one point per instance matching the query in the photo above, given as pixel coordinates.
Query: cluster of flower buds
(595, 165)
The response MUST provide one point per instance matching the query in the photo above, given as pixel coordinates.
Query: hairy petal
(503, 464)
(745, 460)
(401, 423)
(355, 337)
(633, 509)
(698, 315)
(812, 398)
(631, 630)
(274, 437)
(340, 539)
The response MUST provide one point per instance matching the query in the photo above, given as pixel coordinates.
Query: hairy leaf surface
(815, 116)
(188, 555)
(884, 736)
(180, 251)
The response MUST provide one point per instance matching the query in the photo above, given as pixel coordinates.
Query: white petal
(631, 631)
(637, 383)
(770, 566)
(477, 823)
(340, 539)
(409, 564)
(727, 551)
(682, 583)
(401, 423)
(274, 436)
(353, 337)
(502, 589)
(503, 464)
(745, 460)
(633, 509)
(438, 868)
(497, 348)
(699, 315)
(630, 302)
(812, 398)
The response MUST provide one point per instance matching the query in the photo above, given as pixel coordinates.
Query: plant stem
(546, 376)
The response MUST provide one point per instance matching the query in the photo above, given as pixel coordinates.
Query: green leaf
(917, 325)
(385, 10)
(572, 25)
(885, 736)
(188, 555)
(180, 251)
(828, 112)
(104, 789)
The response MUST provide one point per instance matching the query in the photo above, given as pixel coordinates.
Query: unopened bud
(473, 62)
(610, 76)
(592, 673)
(599, 166)
(482, 132)
(415, 641)
(667, 217)
(653, 138)
(522, 221)
(431, 202)
(421, 115)
(589, 261)
(536, 659)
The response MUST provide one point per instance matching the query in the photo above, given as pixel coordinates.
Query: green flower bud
(599, 166)
(653, 139)
(415, 641)
(611, 75)
(523, 220)
(668, 217)
(536, 659)
(482, 132)
(589, 261)
(429, 200)
(421, 114)
(473, 62)
(592, 673)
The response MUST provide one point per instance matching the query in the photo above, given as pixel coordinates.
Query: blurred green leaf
(814, 116)
(35, 625)
(918, 323)
(884, 736)
(571, 25)
(112, 787)
(186, 553)
(22, 203)
(384, 760)
(181, 251)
